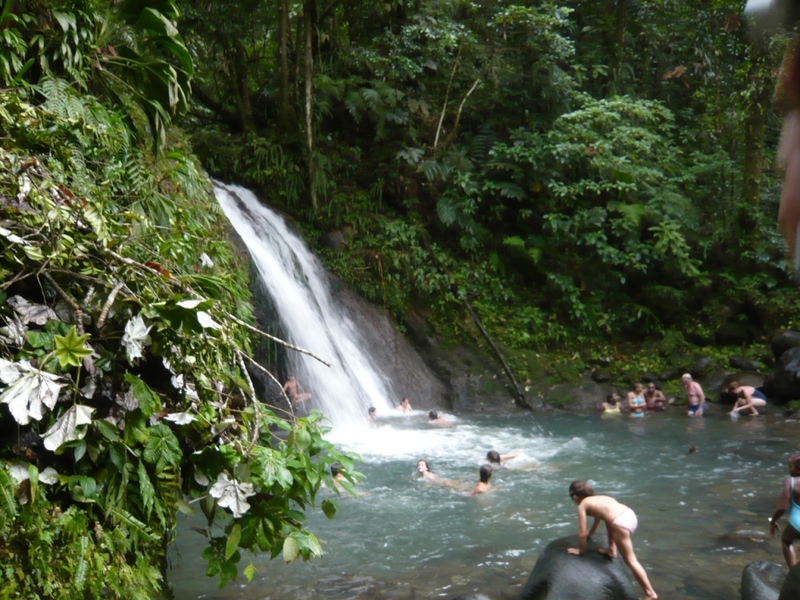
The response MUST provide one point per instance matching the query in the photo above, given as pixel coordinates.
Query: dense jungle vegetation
(578, 173)
(573, 174)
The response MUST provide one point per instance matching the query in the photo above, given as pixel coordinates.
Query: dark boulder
(601, 376)
(671, 374)
(561, 576)
(790, 590)
(761, 580)
(701, 366)
(734, 334)
(744, 364)
(783, 341)
(784, 383)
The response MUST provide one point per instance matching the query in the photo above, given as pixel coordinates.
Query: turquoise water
(702, 516)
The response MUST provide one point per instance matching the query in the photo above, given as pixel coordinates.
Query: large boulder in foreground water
(561, 576)
(761, 580)
(790, 590)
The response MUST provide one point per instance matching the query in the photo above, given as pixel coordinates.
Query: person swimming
(425, 471)
(495, 458)
(483, 485)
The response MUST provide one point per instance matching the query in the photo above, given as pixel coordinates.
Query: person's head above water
(686, 377)
(493, 456)
(433, 415)
(578, 490)
(637, 387)
(794, 464)
(422, 466)
(486, 473)
(371, 411)
(612, 398)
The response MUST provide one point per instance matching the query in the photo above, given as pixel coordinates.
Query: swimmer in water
(438, 420)
(371, 412)
(620, 523)
(483, 484)
(425, 471)
(611, 406)
(495, 458)
(636, 401)
(405, 405)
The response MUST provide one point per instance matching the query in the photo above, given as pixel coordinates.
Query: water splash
(299, 288)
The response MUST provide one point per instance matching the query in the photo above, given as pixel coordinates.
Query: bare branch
(275, 339)
(101, 320)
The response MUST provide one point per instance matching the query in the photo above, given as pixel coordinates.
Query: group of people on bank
(640, 400)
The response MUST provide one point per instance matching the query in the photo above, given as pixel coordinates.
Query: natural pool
(702, 516)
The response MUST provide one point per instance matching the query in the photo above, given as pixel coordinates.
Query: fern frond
(8, 503)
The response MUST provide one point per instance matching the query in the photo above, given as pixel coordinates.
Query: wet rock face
(784, 341)
(790, 590)
(784, 383)
(561, 576)
(761, 580)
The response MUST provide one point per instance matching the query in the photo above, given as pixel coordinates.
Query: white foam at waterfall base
(299, 288)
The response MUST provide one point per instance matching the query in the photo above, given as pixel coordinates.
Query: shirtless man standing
(694, 396)
(620, 522)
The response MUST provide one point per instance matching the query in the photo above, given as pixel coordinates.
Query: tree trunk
(241, 86)
(283, 66)
(754, 126)
(308, 24)
(617, 39)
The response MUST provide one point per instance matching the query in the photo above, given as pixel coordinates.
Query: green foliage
(125, 315)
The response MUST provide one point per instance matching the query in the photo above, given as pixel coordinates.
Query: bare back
(602, 507)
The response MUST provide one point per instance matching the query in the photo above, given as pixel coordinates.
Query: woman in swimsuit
(611, 406)
(636, 401)
(789, 497)
(620, 523)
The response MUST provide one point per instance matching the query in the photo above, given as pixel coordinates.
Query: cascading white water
(299, 288)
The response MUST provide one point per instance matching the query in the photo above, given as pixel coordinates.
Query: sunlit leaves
(69, 427)
(232, 495)
(136, 338)
(70, 349)
(29, 390)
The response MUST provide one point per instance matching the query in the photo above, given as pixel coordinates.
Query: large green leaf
(162, 448)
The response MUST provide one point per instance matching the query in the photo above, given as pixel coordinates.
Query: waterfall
(299, 288)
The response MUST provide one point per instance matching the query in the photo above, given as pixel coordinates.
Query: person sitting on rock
(789, 497)
(655, 398)
(483, 484)
(747, 398)
(620, 522)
